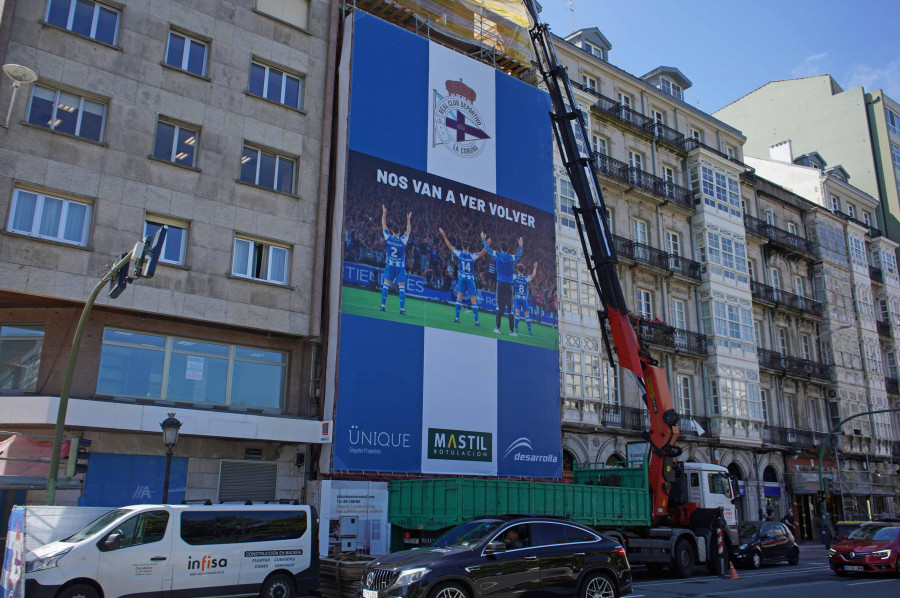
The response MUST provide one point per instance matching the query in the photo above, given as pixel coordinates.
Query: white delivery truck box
(182, 551)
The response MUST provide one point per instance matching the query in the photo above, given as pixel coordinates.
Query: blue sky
(728, 48)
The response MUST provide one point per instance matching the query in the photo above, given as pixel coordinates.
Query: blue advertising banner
(117, 480)
(12, 578)
(448, 347)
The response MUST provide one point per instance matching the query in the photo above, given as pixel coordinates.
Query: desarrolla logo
(460, 445)
(522, 450)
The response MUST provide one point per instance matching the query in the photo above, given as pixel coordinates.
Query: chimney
(782, 152)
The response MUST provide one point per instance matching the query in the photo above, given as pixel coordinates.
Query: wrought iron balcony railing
(792, 437)
(659, 333)
(884, 328)
(873, 232)
(876, 274)
(612, 167)
(693, 342)
(627, 418)
(763, 292)
(777, 235)
(684, 266)
(667, 134)
(641, 253)
(794, 366)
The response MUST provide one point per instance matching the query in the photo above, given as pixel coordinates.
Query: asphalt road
(812, 577)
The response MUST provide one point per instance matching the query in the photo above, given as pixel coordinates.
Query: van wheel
(79, 590)
(278, 586)
(683, 559)
(449, 590)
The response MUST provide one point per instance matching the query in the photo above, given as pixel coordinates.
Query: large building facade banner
(447, 360)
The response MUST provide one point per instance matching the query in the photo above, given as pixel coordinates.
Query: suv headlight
(409, 576)
(46, 562)
(882, 554)
(743, 547)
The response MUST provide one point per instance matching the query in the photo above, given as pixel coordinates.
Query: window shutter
(247, 480)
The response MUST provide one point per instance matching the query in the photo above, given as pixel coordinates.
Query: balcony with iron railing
(780, 298)
(686, 425)
(684, 266)
(639, 252)
(792, 437)
(892, 385)
(661, 334)
(625, 418)
(691, 144)
(876, 274)
(793, 366)
(778, 236)
(667, 135)
(884, 328)
(641, 179)
(873, 232)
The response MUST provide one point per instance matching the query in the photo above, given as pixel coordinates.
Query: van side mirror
(495, 546)
(112, 541)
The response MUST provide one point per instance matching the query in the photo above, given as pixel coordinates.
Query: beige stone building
(210, 118)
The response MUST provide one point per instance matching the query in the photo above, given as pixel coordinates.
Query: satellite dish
(19, 73)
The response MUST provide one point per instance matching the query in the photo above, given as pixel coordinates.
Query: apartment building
(208, 118)
(858, 129)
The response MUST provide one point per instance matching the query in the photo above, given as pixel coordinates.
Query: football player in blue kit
(505, 263)
(465, 280)
(394, 260)
(520, 288)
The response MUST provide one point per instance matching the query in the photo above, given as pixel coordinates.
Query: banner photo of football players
(448, 346)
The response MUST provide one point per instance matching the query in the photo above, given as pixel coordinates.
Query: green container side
(432, 504)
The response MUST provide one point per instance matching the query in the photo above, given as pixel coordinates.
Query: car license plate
(853, 568)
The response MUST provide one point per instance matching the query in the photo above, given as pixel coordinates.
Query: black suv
(505, 556)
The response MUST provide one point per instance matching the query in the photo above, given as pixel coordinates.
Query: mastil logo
(460, 445)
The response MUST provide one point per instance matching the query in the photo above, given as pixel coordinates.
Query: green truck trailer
(613, 500)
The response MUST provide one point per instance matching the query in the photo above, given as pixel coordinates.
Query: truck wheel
(598, 585)
(683, 559)
(449, 590)
(278, 586)
(79, 590)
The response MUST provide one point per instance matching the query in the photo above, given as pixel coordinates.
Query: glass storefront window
(20, 356)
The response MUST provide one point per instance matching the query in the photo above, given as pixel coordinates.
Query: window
(151, 366)
(775, 277)
(598, 144)
(893, 121)
(573, 373)
(729, 151)
(770, 217)
(547, 534)
(565, 201)
(764, 398)
(867, 219)
(835, 204)
(782, 341)
(267, 170)
(276, 85)
(806, 347)
(589, 82)
(292, 12)
(674, 241)
(598, 52)
(696, 135)
(727, 255)
(20, 356)
(47, 217)
(798, 286)
(645, 303)
(719, 188)
(260, 260)
(669, 175)
(625, 100)
(145, 528)
(66, 112)
(684, 395)
(174, 246)
(678, 317)
(658, 117)
(757, 334)
(792, 228)
(270, 526)
(206, 528)
(635, 160)
(891, 360)
(895, 155)
(730, 321)
(91, 19)
(639, 231)
(186, 53)
(851, 210)
(175, 143)
(670, 87)
(751, 269)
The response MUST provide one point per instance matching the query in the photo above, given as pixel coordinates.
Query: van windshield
(97, 525)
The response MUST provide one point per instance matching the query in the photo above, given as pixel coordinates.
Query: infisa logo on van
(205, 563)
(459, 445)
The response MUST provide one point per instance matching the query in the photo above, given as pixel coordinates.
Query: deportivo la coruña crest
(458, 126)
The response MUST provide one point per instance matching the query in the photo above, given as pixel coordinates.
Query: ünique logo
(206, 562)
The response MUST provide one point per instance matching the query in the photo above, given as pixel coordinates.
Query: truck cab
(710, 487)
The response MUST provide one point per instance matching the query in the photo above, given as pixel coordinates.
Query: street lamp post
(170, 427)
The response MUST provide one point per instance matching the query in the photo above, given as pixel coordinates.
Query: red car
(871, 548)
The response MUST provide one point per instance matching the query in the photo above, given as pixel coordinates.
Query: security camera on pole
(140, 262)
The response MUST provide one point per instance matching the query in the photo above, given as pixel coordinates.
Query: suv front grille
(379, 579)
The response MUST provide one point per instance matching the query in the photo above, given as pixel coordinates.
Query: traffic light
(119, 282)
(77, 461)
(146, 254)
(828, 489)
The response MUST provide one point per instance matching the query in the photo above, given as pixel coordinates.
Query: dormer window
(589, 82)
(671, 88)
(589, 47)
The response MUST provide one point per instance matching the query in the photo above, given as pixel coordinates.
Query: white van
(182, 551)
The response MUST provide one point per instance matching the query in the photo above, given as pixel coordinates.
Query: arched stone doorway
(772, 491)
(739, 502)
(614, 460)
(568, 465)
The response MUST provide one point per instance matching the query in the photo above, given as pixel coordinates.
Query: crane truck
(664, 511)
